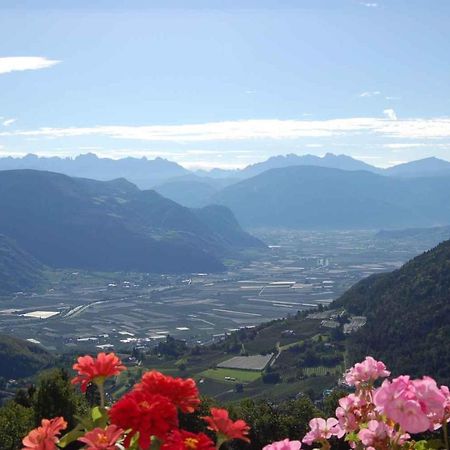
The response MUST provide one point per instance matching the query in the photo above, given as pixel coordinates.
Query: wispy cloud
(390, 114)
(20, 63)
(369, 93)
(8, 122)
(369, 4)
(273, 129)
(390, 97)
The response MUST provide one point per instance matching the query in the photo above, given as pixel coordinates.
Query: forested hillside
(18, 269)
(408, 313)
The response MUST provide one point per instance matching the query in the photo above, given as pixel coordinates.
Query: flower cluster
(383, 417)
(145, 418)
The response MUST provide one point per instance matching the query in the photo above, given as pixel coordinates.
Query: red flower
(102, 439)
(184, 440)
(45, 437)
(222, 424)
(146, 413)
(183, 393)
(96, 370)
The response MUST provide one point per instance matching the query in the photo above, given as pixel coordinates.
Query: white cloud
(8, 122)
(390, 97)
(273, 129)
(369, 93)
(369, 5)
(390, 114)
(20, 63)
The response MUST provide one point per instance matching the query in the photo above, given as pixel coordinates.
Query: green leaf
(70, 437)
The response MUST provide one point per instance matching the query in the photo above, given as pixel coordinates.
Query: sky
(226, 83)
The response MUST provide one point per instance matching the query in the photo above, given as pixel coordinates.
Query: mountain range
(407, 316)
(66, 222)
(310, 197)
(148, 173)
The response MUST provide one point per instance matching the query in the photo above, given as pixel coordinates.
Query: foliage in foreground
(147, 418)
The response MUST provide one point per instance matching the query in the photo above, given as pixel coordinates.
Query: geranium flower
(322, 429)
(96, 370)
(183, 393)
(102, 439)
(223, 425)
(367, 371)
(146, 413)
(184, 440)
(44, 437)
(417, 406)
(284, 445)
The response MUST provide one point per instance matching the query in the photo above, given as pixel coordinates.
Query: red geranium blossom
(222, 424)
(182, 393)
(184, 440)
(146, 413)
(96, 370)
(102, 439)
(44, 437)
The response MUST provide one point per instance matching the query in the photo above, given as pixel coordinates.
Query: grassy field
(241, 376)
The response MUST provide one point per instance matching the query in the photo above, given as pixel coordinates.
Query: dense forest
(408, 312)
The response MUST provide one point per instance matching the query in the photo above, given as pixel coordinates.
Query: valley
(88, 311)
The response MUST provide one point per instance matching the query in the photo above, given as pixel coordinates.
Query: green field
(241, 376)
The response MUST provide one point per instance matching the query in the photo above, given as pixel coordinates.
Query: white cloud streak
(242, 130)
(21, 63)
(369, 93)
(8, 122)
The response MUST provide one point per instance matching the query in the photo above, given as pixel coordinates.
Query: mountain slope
(321, 198)
(74, 222)
(421, 168)
(21, 358)
(408, 314)
(18, 270)
(329, 160)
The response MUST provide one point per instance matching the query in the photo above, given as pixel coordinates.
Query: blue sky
(223, 83)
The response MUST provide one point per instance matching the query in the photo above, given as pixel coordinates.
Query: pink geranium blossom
(416, 405)
(367, 371)
(284, 445)
(322, 429)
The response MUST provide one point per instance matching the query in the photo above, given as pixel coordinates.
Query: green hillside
(19, 271)
(408, 313)
(109, 226)
(21, 358)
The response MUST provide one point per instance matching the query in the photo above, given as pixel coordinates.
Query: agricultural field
(233, 375)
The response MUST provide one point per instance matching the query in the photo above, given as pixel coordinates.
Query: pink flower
(45, 437)
(375, 434)
(367, 371)
(100, 439)
(284, 445)
(349, 412)
(432, 400)
(322, 429)
(416, 405)
(446, 393)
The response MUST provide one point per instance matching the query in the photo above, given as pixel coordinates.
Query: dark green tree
(15, 422)
(55, 396)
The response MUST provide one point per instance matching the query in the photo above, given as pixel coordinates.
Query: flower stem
(101, 391)
(445, 431)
